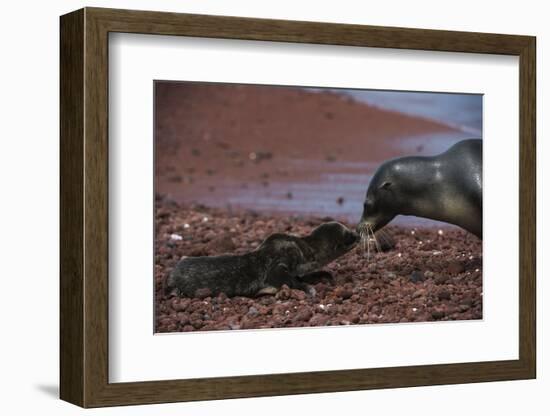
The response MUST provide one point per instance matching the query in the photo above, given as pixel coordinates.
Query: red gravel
(431, 274)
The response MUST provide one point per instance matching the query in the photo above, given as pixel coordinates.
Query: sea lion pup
(280, 259)
(446, 187)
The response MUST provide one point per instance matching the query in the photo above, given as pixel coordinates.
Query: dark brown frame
(84, 213)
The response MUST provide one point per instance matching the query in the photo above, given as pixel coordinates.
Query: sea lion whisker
(368, 238)
(371, 240)
(366, 242)
(376, 243)
(384, 236)
(363, 238)
(378, 246)
(379, 236)
(368, 247)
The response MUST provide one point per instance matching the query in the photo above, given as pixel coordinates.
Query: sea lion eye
(385, 185)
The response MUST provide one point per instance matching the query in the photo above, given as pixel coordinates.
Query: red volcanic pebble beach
(430, 274)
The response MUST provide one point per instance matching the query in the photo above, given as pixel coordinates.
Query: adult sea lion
(446, 187)
(280, 259)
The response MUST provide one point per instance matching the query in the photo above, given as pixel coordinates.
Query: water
(462, 111)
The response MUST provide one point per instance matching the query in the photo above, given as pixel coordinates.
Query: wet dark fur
(446, 187)
(280, 259)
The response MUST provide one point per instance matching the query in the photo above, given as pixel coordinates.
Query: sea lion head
(287, 249)
(330, 241)
(395, 188)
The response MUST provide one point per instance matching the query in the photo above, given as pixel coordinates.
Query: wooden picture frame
(84, 207)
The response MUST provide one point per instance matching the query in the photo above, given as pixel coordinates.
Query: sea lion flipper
(279, 275)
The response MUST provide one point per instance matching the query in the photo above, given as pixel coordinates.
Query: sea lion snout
(351, 237)
(331, 240)
(335, 231)
(378, 207)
